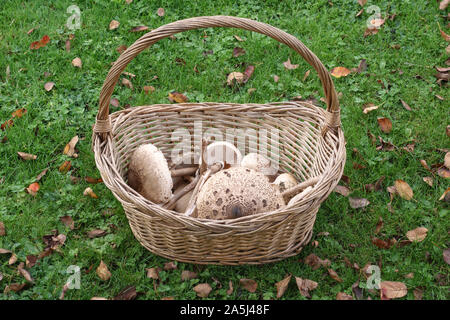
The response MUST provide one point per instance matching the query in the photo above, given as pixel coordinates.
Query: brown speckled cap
(237, 192)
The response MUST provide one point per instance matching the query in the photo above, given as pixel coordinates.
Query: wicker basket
(311, 145)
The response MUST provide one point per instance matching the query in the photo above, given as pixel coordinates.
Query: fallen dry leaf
(385, 124)
(188, 275)
(203, 290)
(369, 107)
(235, 78)
(103, 272)
(2, 229)
(446, 255)
(248, 73)
(177, 97)
(33, 188)
(417, 235)
(69, 149)
(114, 102)
(114, 24)
(445, 36)
(93, 180)
(362, 2)
(65, 167)
(24, 272)
(339, 72)
(357, 203)
(16, 287)
(153, 273)
(41, 43)
(30, 260)
(67, 45)
(230, 288)
(26, 156)
(127, 83)
(405, 105)
(238, 38)
(428, 180)
(343, 296)
(445, 196)
(148, 89)
(443, 172)
(12, 259)
(282, 286)
(96, 233)
(392, 290)
(333, 274)
(248, 284)
(170, 266)
(49, 86)
(276, 78)
(128, 293)
(383, 244)
(403, 189)
(77, 63)
(89, 192)
(342, 190)
(447, 160)
(305, 286)
(237, 52)
(68, 222)
(306, 75)
(139, 29)
(315, 262)
(160, 12)
(19, 113)
(443, 5)
(288, 65)
(40, 175)
(379, 225)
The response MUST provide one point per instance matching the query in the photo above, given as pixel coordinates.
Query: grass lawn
(401, 60)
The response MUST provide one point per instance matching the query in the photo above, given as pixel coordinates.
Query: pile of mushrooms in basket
(223, 185)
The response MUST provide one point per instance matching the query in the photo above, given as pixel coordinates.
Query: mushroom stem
(295, 190)
(183, 171)
(203, 165)
(210, 171)
(172, 202)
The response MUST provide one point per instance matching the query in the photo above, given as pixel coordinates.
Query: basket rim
(132, 195)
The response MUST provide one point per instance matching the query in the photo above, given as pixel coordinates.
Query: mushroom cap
(223, 151)
(285, 181)
(149, 174)
(258, 162)
(237, 192)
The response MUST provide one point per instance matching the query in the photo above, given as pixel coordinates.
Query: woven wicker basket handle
(102, 125)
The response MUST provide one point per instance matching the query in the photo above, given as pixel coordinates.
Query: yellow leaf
(403, 189)
(338, 72)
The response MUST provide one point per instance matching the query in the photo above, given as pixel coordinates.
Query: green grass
(332, 32)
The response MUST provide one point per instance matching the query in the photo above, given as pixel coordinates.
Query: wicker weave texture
(310, 144)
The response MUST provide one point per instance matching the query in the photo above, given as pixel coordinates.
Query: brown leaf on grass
(333, 274)
(77, 62)
(443, 172)
(26, 156)
(127, 83)
(360, 12)
(379, 225)
(128, 293)
(370, 31)
(49, 86)
(446, 255)
(4, 251)
(202, 290)
(417, 235)
(428, 180)
(188, 275)
(235, 78)
(248, 73)
(40, 175)
(443, 5)
(65, 167)
(392, 290)
(405, 105)
(447, 160)
(445, 36)
(361, 67)
(418, 293)
(306, 75)
(41, 43)
(153, 273)
(128, 2)
(30, 260)
(177, 97)
(343, 296)
(357, 203)
(342, 190)
(2, 229)
(170, 266)
(139, 29)
(148, 89)
(305, 286)
(31, 30)
(120, 49)
(238, 38)
(19, 113)
(7, 124)
(33, 189)
(382, 244)
(67, 45)
(103, 272)
(16, 287)
(288, 65)
(369, 107)
(160, 12)
(93, 180)
(315, 262)
(96, 233)
(445, 196)
(248, 284)
(237, 51)
(68, 222)
(230, 287)
(69, 149)
(89, 192)
(385, 124)
(12, 259)
(282, 286)
(114, 102)
(24, 272)
(276, 78)
(339, 72)
(114, 24)
(362, 2)
(403, 189)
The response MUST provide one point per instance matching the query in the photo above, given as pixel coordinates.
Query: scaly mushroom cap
(149, 174)
(237, 192)
(258, 162)
(285, 181)
(222, 151)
